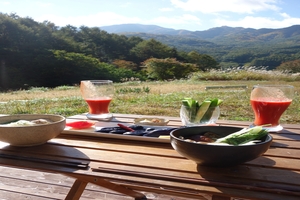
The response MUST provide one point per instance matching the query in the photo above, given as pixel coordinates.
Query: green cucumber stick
(219, 102)
(202, 110)
(214, 102)
(191, 106)
(185, 103)
(210, 110)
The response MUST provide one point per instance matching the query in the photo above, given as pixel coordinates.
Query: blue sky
(177, 14)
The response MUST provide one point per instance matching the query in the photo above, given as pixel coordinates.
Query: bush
(169, 68)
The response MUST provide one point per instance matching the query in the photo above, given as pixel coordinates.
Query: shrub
(169, 68)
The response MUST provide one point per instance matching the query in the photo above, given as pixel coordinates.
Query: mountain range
(213, 34)
(223, 42)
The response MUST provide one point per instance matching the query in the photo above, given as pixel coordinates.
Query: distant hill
(229, 45)
(213, 34)
(140, 28)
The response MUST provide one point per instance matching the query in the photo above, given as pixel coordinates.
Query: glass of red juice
(268, 103)
(98, 95)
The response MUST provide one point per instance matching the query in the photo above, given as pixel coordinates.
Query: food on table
(201, 112)
(242, 137)
(151, 121)
(138, 130)
(27, 122)
(80, 124)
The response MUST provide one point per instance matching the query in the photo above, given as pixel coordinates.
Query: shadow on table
(256, 175)
(46, 156)
(288, 134)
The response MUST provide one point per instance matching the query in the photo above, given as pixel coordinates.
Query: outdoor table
(130, 164)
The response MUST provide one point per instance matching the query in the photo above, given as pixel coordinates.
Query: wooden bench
(226, 87)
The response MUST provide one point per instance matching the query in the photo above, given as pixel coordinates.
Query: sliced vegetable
(201, 112)
(214, 103)
(243, 136)
(192, 105)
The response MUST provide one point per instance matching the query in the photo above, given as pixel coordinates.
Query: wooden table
(129, 164)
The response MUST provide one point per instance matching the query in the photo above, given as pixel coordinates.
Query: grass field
(149, 98)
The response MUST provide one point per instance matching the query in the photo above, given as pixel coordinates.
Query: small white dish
(100, 117)
(151, 121)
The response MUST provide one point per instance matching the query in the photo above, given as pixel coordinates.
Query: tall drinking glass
(98, 95)
(268, 103)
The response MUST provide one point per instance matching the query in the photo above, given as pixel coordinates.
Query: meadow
(161, 98)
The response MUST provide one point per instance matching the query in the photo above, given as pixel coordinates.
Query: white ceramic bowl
(30, 135)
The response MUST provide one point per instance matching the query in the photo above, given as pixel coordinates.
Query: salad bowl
(216, 154)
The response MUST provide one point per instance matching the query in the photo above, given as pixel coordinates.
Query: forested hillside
(34, 54)
(229, 46)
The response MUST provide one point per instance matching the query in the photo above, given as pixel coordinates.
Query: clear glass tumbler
(187, 119)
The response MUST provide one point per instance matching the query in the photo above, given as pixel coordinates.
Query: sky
(193, 15)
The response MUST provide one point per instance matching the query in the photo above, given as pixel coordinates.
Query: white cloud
(44, 5)
(126, 4)
(285, 15)
(166, 9)
(99, 19)
(258, 22)
(234, 6)
(183, 20)
(5, 3)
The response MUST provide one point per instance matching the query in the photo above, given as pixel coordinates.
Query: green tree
(125, 64)
(151, 49)
(291, 66)
(271, 61)
(168, 68)
(204, 62)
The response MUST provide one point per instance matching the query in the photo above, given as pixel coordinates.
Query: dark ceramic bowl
(216, 155)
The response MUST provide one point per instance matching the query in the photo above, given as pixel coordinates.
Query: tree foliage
(233, 47)
(168, 68)
(291, 66)
(42, 54)
(151, 49)
(203, 62)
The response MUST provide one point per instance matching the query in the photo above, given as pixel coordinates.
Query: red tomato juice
(267, 111)
(98, 106)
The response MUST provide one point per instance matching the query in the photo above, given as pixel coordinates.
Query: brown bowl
(216, 155)
(30, 135)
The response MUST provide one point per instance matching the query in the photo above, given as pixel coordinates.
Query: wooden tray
(92, 132)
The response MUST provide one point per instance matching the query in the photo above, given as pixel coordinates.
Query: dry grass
(160, 98)
(37, 94)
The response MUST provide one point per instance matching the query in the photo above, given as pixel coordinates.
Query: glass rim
(281, 86)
